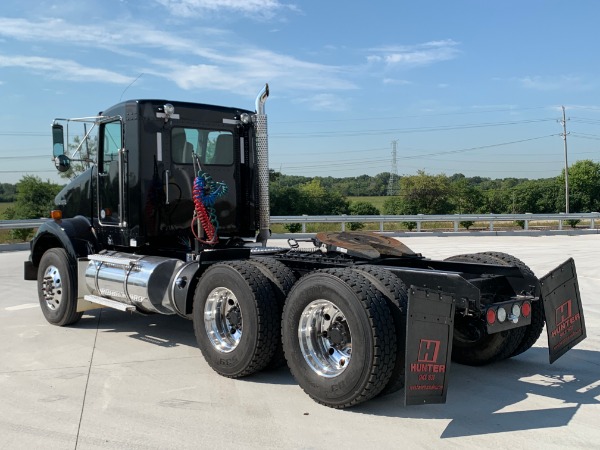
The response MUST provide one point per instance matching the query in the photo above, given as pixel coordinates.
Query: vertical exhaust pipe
(262, 156)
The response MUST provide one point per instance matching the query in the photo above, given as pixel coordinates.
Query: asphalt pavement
(120, 381)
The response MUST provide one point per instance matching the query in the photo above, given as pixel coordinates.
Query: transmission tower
(564, 136)
(392, 188)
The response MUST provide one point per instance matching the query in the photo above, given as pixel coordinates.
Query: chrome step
(109, 303)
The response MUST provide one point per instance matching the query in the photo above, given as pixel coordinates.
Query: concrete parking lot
(117, 381)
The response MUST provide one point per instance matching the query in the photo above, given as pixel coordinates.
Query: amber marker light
(56, 214)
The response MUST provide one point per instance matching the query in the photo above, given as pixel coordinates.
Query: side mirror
(58, 140)
(62, 162)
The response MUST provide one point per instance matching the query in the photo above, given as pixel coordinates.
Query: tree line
(425, 193)
(422, 193)
(8, 192)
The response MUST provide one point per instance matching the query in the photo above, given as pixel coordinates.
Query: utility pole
(564, 136)
(392, 188)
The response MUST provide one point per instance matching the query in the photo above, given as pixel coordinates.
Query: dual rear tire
(339, 337)
(334, 327)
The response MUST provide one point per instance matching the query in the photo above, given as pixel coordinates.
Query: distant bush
(293, 227)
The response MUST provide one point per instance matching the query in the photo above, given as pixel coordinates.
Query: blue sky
(471, 87)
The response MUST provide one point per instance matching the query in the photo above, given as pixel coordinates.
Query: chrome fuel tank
(141, 281)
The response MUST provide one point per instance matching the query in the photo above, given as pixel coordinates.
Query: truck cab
(150, 153)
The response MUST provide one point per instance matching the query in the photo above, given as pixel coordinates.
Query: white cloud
(324, 102)
(63, 69)
(563, 82)
(396, 81)
(224, 65)
(415, 55)
(264, 9)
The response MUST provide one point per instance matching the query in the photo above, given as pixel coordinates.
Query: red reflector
(490, 316)
(526, 309)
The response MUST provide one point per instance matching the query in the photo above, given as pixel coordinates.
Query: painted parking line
(23, 306)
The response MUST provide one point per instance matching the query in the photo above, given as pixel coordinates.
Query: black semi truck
(172, 217)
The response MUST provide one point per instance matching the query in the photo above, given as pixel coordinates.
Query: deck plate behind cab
(364, 245)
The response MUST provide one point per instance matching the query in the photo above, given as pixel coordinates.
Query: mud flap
(429, 329)
(562, 307)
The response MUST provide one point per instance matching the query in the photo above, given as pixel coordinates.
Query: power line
(27, 171)
(414, 116)
(324, 134)
(25, 157)
(593, 137)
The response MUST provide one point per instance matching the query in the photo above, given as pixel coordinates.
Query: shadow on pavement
(501, 397)
(498, 398)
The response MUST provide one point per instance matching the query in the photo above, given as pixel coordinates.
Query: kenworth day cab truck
(173, 217)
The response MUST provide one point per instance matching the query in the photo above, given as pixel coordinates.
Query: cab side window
(111, 144)
(109, 188)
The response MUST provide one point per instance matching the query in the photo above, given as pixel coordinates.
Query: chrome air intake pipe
(262, 156)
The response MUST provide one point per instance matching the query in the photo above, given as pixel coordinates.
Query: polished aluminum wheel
(223, 319)
(325, 338)
(52, 287)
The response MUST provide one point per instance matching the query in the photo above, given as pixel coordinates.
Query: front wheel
(338, 337)
(57, 288)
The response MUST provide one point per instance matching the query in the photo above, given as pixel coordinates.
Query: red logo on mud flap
(565, 321)
(563, 312)
(428, 351)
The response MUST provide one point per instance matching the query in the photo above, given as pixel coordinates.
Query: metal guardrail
(419, 219)
(26, 223)
(455, 219)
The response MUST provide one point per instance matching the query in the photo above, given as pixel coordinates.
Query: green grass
(4, 207)
(377, 202)
(5, 235)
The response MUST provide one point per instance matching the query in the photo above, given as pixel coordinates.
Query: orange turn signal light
(56, 214)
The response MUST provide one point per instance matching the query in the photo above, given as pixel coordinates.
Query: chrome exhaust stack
(262, 156)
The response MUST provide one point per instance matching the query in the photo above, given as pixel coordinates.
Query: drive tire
(236, 319)
(282, 279)
(322, 364)
(57, 288)
(396, 296)
(487, 348)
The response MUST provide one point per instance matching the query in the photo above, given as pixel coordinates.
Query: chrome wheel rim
(325, 338)
(223, 319)
(52, 287)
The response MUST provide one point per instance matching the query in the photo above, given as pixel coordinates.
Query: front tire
(236, 318)
(338, 337)
(57, 288)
